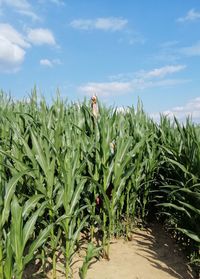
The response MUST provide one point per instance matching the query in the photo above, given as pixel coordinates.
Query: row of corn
(72, 170)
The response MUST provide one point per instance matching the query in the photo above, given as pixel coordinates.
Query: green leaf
(8, 262)
(37, 243)
(30, 224)
(30, 204)
(189, 206)
(16, 234)
(9, 191)
(40, 156)
(179, 208)
(190, 234)
(76, 196)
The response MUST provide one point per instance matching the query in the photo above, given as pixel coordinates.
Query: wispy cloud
(145, 84)
(104, 23)
(151, 74)
(50, 63)
(21, 6)
(191, 15)
(192, 109)
(131, 37)
(167, 52)
(30, 14)
(46, 63)
(193, 50)
(41, 36)
(106, 88)
(162, 72)
(58, 2)
(171, 51)
(168, 44)
(12, 35)
(131, 82)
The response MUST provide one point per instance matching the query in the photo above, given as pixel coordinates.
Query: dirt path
(150, 255)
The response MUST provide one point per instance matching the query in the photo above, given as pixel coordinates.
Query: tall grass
(67, 171)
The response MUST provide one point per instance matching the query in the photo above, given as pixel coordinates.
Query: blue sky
(119, 50)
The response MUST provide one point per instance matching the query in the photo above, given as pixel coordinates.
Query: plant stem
(67, 251)
(1, 256)
(52, 247)
(54, 264)
(19, 270)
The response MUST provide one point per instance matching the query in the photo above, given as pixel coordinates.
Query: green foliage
(91, 253)
(65, 173)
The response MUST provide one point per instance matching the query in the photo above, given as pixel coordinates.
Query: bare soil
(151, 254)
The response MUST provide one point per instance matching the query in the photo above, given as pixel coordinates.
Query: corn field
(67, 172)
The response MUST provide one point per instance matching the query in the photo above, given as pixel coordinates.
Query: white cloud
(193, 50)
(192, 109)
(192, 15)
(11, 56)
(58, 2)
(162, 72)
(169, 44)
(46, 62)
(144, 84)
(113, 24)
(50, 63)
(105, 24)
(12, 35)
(21, 6)
(105, 88)
(167, 52)
(29, 14)
(12, 48)
(83, 24)
(41, 36)
(152, 74)
(131, 37)
(56, 61)
(131, 82)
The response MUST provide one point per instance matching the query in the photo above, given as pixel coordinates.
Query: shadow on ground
(157, 247)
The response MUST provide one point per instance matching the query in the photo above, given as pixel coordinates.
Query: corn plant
(91, 252)
(69, 170)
